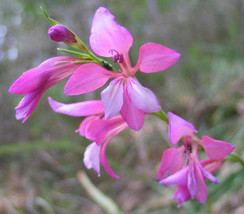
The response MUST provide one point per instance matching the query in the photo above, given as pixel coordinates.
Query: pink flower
(95, 128)
(124, 94)
(180, 128)
(34, 82)
(189, 175)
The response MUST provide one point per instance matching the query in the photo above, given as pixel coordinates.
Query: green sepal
(51, 21)
(75, 53)
(84, 61)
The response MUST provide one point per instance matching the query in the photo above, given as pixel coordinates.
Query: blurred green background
(40, 159)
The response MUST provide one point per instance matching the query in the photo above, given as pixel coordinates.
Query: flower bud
(60, 33)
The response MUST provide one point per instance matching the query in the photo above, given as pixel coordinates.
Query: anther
(189, 148)
(117, 57)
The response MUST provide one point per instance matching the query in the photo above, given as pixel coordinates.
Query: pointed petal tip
(217, 182)
(179, 127)
(117, 177)
(10, 90)
(24, 120)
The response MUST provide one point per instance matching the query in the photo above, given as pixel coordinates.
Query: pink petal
(133, 116)
(171, 162)
(107, 35)
(77, 109)
(100, 129)
(85, 125)
(211, 165)
(87, 78)
(208, 175)
(154, 57)
(178, 178)
(112, 98)
(91, 157)
(104, 161)
(38, 77)
(141, 97)
(181, 195)
(202, 191)
(216, 149)
(27, 105)
(179, 128)
(191, 179)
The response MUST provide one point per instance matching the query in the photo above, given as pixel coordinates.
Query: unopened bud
(60, 33)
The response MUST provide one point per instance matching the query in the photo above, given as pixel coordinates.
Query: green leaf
(51, 21)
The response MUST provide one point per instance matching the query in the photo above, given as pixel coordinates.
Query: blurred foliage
(40, 159)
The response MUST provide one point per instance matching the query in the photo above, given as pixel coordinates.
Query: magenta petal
(172, 161)
(191, 179)
(107, 35)
(179, 128)
(100, 129)
(133, 116)
(181, 195)
(208, 175)
(141, 97)
(154, 57)
(87, 78)
(38, 77)
(112, 98)
(202, 191)
(91, 157)
(211, 165)
(79, 109)
(104, 161)
(27, 105)
(85, 125)
(178, 178)
(216, 149)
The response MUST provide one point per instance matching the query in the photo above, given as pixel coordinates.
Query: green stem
(235, 158)
(100, 61)
(98, 196)
(161, 115)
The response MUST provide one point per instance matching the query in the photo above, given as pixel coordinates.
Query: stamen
(121, 58)
(117, 57)
(189, 147)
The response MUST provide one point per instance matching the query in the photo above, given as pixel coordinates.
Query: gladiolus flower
(34, 82)
(124, 94)
(189, 175)
(95, 128)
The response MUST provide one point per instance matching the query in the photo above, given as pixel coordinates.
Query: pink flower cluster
(189, 174)
(124, 103)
